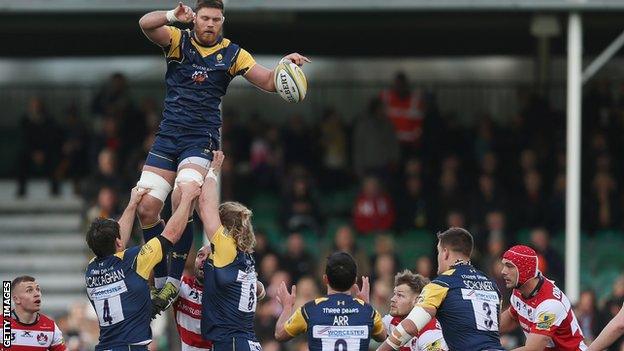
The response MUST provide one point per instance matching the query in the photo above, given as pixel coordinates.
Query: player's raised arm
(126, 222)
(286, 327)
(154, 24)
(179, 219)
(209, 198)
(610, 333)
(262, 77)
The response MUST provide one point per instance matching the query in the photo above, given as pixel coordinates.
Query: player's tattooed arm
(153, 24)
(209, 198)
(126, 222)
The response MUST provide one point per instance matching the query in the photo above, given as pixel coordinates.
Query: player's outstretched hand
(184, 13)
(190, 190)
(136, 195)
(364, 293)
(285, 298)
(217, 160)
(297, 59)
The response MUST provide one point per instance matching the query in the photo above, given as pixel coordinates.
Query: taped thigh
(188, 175)
(158, 186)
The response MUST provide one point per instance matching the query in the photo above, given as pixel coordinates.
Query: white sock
(160, 282)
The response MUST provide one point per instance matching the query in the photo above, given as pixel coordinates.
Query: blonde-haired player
(229, 298)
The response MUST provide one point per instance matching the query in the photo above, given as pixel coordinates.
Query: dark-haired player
(538, 305)
(462, 298)
(201, 63)
(335, 322)
(116, 278)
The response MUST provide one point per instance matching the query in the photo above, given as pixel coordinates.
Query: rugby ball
(290, 82)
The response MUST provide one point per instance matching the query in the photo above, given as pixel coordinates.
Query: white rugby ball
(290, 82)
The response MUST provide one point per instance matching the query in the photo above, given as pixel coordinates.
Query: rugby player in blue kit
(464, 300)
(201, 63)
(337, 321)
(116, 278)
(230, 280)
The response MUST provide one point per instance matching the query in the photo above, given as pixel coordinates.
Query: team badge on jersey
(219, 57)
(42, 339)
(199, 77)
(545, 320)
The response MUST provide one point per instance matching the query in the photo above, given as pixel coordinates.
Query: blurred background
(81, 93)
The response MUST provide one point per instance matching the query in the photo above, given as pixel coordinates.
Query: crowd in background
(410, 168)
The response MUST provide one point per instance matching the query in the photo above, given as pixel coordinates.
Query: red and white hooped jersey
(548, 313)
(430, 338)
(188, 315)
(41, 335)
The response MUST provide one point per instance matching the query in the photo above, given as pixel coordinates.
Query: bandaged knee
(158, 186)
(189, 175)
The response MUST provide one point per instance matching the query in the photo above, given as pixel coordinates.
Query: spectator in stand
(297, 261)
(406, 110)
(495, 229)
(384, 246)
(107, 137)
(489, 197)
(424, 267)
(373, 210)
(540, 241)
(265, 320)
(556, 211)
(106, 175)
(449, 197)
(39, 153)
(603, 209)
(300, 209)
(298, 143)
(266, 155)
(586, 312)
(344, 240)
(74, 150)
(381, 294)
(375, 145)
(269, 266)
(263, 246)
(530, 208)
(384, 270)
(412, 206)
(307, 290)
(455, 218)
(335, 158)
(113, 95)
(106, 206)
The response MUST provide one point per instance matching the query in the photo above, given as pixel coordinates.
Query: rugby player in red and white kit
(30, 329)
(187, 307)
(537, 305)
(407, 287)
